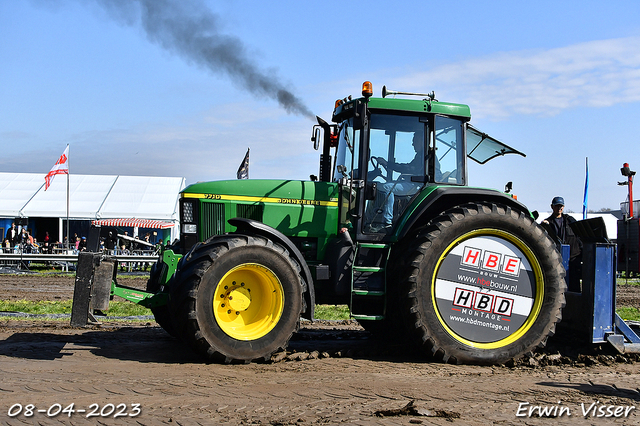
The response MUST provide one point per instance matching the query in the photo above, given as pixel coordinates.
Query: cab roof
(410, 105)
(480, 146)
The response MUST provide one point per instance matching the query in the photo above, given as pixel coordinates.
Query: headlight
(187, 212)
(189, 228)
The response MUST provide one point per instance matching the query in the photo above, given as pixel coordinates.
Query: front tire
(482, 284)
(238, 298)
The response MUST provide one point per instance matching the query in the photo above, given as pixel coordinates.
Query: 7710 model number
(94, 410)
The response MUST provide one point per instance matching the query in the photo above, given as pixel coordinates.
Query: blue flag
(586, 189)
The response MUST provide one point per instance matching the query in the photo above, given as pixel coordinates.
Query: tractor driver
(400, 187)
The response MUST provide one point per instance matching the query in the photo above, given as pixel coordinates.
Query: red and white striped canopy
(134, 223)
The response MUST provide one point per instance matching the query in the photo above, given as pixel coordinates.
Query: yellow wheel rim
(248, 302)
(538, 288)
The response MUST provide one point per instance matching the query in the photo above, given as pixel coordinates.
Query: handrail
(23, 259)
(44, 257)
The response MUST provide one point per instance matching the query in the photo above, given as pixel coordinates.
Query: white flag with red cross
(60, 168)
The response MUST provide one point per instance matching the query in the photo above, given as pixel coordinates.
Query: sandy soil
(332, 373)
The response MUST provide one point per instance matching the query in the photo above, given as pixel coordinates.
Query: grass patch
(629, 314)
(116, 308)
(127, 309)
(332, 312)
(39, 308)
(630, 281)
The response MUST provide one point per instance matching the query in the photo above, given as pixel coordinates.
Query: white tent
(86, 195)
(143, 197)
(91, 197)
(16, 189)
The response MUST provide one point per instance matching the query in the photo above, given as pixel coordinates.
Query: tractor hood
(266, 191)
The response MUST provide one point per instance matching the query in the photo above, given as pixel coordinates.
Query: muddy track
(332, 373)
(322, 339)
(36, 287)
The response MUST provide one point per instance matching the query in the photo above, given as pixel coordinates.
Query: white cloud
(540, 82)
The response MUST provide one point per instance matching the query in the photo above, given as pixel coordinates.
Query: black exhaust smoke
(190, 30)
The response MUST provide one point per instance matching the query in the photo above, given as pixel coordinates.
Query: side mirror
(316, 137)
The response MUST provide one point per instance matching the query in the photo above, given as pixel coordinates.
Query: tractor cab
(391, 153)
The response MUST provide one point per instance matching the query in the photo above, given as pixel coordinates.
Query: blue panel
(604, 302)
(566, 253)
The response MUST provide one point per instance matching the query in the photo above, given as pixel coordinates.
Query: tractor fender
(446, 197)
(253, 227)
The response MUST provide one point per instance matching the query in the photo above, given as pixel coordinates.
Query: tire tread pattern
(186, 285)
(409, 262)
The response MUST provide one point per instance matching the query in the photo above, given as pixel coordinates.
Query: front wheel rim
(248, 302)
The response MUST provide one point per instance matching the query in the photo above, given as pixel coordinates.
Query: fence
(61, 258)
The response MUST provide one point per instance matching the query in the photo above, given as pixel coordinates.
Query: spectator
(82, 244)
(12, 235)
(46, 243)
(123, 251)
(35, 247)
(146, 248)
(126, 242)
(23, 241)
(557, 225)
(24, 236)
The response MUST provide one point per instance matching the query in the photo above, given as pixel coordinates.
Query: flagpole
(586, 189)
(68, 171)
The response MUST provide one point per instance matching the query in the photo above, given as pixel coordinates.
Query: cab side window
(449, 150)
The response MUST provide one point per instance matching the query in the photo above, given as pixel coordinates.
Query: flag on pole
(586, 189)
(60, 168)
(243, 170)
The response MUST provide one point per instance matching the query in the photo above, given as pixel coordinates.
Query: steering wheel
(375, 163)
(376, 171)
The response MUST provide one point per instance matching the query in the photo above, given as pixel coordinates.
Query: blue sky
(559, 81)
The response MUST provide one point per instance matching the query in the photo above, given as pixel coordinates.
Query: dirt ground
(332, 373)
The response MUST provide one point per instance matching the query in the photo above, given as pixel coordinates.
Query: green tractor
(390, 228)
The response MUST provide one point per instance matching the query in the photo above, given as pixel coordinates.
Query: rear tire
(237, 298)
(482, 284)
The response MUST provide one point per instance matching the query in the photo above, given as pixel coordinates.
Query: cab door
(348, 174)
(396, 169)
